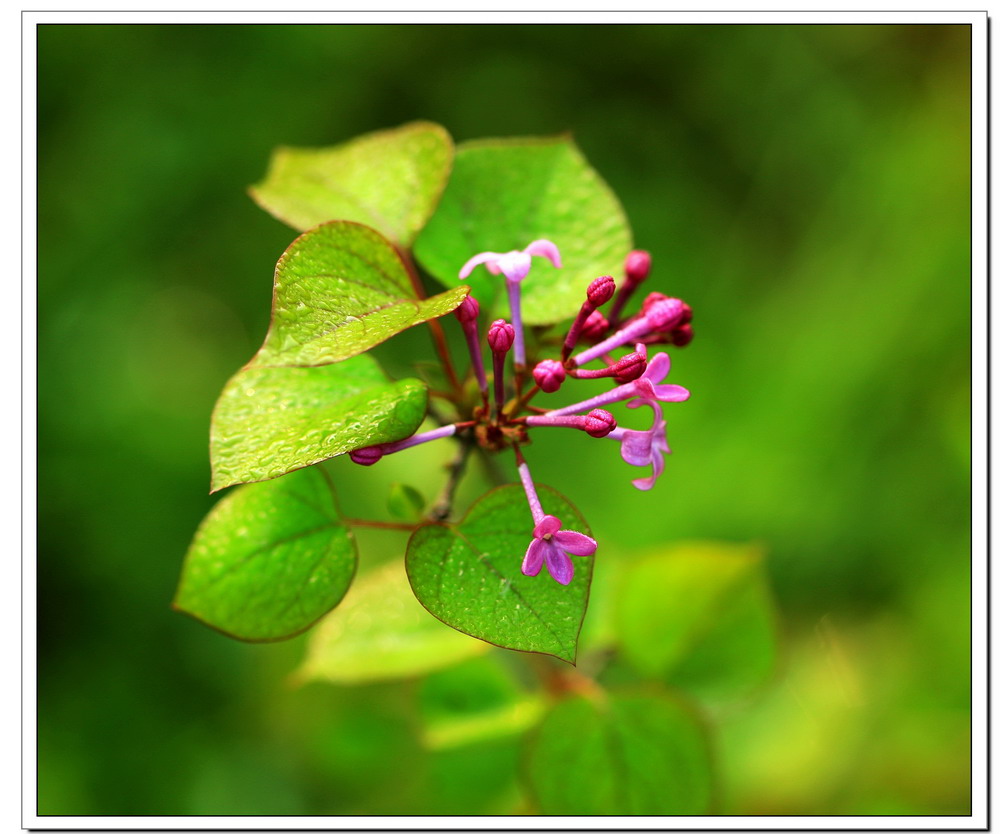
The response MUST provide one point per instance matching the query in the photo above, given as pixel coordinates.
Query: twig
(442, 507)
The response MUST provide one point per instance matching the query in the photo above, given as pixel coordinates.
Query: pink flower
(513, 265)
(552, 545)
(646, 387)
(645, 448)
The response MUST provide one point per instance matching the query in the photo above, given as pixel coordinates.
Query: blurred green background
(804, 188)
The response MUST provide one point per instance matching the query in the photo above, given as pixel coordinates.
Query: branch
(456, 468)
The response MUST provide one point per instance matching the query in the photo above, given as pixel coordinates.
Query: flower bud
(637, 265)
(599, 423)
(595, 327)
(600, 290)
(682, 335)
(630, 367)
(651, 299)
(686, 315)
(500, 336)
(366, 456)
(549, 374)
(468, 310)
(664, 315)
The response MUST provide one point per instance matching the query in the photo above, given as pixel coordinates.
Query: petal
(534, 557)
(576, 543)
(650, 482)
(545, 249)
(475, 260)
(644, 483)
(559, 565)
(670, 393)
(657, 368)
(514, 265)
(547, 526)
(637, 447)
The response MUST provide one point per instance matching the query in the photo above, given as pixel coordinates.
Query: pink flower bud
(549, 374)
(366, 456)
(500, 336)
(637, 265)
(600, 290)
(629, 367)
(599, 423)
(595, 327)
(682, 335)
(664, 315)
(686, 315)
(468, 310)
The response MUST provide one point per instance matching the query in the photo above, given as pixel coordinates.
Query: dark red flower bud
(682, 335)
(599, 423)
(549, 374)
(600, 290)
(637, 265)
(664, 315)
(594, 327)
(468, 310)
(651, 299)
(366, 456)
(500, 336)
(629, 367)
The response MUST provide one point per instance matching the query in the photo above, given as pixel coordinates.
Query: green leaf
(505, 193)
(390, 179)
(626, 754)
(339, 290)
(269, 559)
(475, 701)
(405, 503)
(700, 616)
(382, 633)
(469, 575)
(269, 421)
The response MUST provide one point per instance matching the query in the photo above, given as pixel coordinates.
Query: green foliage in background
(804, 188)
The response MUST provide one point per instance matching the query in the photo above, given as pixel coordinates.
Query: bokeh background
(805, 188)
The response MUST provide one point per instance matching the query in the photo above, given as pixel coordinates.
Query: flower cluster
(638, 381)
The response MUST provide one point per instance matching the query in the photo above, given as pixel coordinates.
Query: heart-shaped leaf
(390, 179)
(719, 637)
(469, 575)
(505, 193)
(628, 754)
(340, 289)
(381, 633)
(269, 421)
(269, 560)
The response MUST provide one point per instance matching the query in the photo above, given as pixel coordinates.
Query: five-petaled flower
(551, 546)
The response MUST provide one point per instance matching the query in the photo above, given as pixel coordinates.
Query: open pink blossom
(645, 448)
(551, 546)
(513, 265)
(646, 387)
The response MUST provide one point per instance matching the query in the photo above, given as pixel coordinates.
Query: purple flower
(646, 387)
(645, 448)
(513, 265)
(552, 545)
